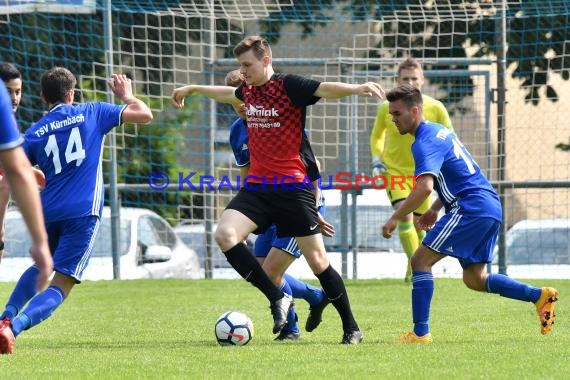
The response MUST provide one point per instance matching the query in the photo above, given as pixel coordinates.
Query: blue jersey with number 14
(67, 145)
(460, 184)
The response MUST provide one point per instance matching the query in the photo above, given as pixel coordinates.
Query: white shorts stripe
(445, 232)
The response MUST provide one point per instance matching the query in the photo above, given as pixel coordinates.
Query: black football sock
(243, 261)
(334, 288)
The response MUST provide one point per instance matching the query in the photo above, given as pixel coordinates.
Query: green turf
(163, 329)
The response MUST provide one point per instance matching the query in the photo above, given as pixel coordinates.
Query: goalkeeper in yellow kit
(392, 155)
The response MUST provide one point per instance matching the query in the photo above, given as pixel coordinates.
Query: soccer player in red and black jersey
(277, 190)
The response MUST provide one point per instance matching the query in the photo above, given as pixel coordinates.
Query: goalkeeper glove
(378, 169)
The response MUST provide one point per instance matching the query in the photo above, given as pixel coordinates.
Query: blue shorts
(71, 243)
(269, 239)
(471, 239)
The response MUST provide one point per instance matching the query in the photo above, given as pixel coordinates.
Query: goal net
(523, 147)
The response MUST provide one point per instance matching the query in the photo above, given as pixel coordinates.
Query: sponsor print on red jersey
(276, 119)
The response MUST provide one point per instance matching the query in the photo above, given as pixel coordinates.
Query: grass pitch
(164, 329)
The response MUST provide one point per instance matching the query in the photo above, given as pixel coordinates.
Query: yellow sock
(409, 240)
(421, 236)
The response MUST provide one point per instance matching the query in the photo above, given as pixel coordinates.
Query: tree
(152, 148)
(563, 147)
(38, 41)
(537, 33)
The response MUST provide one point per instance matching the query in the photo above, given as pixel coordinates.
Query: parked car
(372, 209)
(194, 236)
(538, 248)
(149, 248)
(377, 257)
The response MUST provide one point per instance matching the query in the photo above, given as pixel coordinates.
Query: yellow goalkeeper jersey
(394, 149)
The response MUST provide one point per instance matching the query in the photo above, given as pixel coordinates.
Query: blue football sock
(23, 292)
(291, 325)
(39, 309)
(302, 290)
(20, 323)
(510, 288)
(422, 293)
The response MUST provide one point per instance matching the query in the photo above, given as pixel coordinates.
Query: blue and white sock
(510, 288)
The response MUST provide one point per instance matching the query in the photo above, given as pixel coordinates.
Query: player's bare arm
(333, 90)
(19, 174)
(137, 111)
(424, 189)
(222, 94)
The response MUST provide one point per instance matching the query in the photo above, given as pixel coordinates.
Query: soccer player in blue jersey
(276, 254)
(18, 172)
(67, 145)
(12, 79)
(468, 231)
(276, 106)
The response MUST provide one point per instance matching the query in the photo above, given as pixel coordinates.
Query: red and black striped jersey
(276, 113)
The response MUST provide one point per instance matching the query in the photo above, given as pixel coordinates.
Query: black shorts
(293, 211)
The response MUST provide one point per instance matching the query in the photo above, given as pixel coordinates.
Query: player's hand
(371, 89)
(427, 220)
(389, 227)
(40, 177)
(179, 94)
(121, 86)
(327, 229)
(378, 169)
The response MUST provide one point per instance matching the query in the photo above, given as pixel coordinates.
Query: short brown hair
(407, 93)
(233, 78)
(258, 44)
(409, 64)
(56, 83)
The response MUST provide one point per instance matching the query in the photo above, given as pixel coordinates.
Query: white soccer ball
(233, 328)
